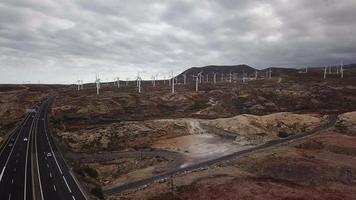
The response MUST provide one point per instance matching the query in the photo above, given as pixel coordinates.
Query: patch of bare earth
(317, 167)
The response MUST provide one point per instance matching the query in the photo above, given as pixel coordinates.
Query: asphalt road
(55, 180)
(15, 158)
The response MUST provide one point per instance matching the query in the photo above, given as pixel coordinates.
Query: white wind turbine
(82, 84)
(78, 85)
(256, 74)
(138, 81)
(342, 70)
(230, 79)
(214, 78)
(184, 78)
(118, 82)
(197, 77)
(222, 76)
(324, 73)
(97, 81)
(153, 81)
(173, 79)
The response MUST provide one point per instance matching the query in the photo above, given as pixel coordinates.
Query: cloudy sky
(54, 41)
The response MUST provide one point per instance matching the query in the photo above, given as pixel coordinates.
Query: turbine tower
(197, 77)
(342, 70)
(78, 85)
(256, 74)
(97, 81)
(173, 79)
(118, 82)
(230, 77)
(184, 78)
(214, 78)
(153, 81)
(324, 73)
(222, 76)
(138, 81)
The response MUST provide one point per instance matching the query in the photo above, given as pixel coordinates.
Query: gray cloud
(61, 41)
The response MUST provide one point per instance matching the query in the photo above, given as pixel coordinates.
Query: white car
(49, 154)
(25, 139)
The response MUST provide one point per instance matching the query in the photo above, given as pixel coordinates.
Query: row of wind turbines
(199, 78)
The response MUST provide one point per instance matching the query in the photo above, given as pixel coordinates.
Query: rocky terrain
(121, 135)
(318, 167)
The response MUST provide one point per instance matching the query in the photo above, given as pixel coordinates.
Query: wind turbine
(306, 69)
(184, 78)
(222, 76)
(197, 81)
(118, 82)
(78, 85)
(138, 82)
(173, 79)
(214, 78)
(256, 74)
(243, 76)
(97, 81)
(82, 84)
(342, 70)
(127, 81)
(230, 77)
(324, 73)
(153, 81)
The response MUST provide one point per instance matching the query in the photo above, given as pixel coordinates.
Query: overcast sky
(60, 41)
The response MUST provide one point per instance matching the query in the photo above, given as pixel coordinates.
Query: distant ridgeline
(239, 69)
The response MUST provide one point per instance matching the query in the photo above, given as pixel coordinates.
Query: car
(25, 139)
(49, 154)
(10, 145)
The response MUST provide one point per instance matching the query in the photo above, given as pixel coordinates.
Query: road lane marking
(73, 197)
(27, 150)
(50, 174)
(9, 196)
(47, 165)
(64, 178)
(12, 149)
(54, 187)
(2, 172)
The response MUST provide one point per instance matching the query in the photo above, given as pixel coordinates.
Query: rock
(347, 123)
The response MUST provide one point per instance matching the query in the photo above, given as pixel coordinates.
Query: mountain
(226, 69)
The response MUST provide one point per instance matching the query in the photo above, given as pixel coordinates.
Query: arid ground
(121, 136)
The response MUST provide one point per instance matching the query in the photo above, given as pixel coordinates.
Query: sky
(51, 41)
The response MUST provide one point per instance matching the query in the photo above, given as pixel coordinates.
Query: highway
(35, 169)
(15, 158)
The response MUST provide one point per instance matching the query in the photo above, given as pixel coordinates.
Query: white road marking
(73, 197)
(12, 181)
(54, 187)
(50, 174)
(9, 196)
(47, 166)
(64, 178)
(2, 172)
